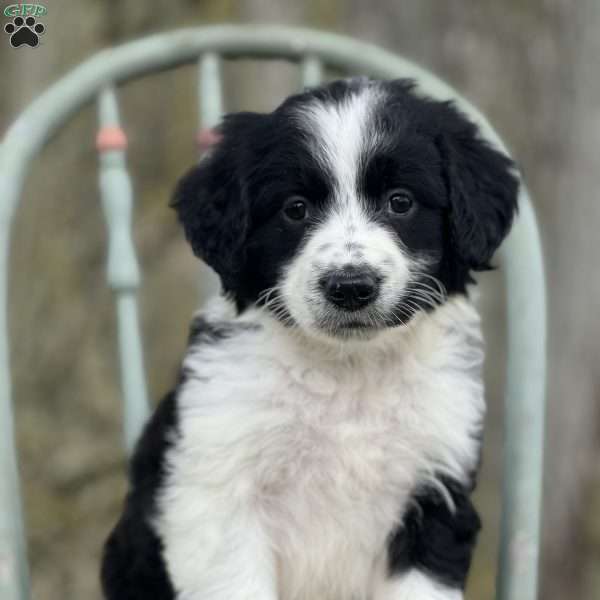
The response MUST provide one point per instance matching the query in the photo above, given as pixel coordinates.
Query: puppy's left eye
(295, 209)
(399, 201)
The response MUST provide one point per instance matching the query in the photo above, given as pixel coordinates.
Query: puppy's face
(348, 208)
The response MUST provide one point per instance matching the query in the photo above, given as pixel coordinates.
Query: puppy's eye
(399, 201)
(295, 209)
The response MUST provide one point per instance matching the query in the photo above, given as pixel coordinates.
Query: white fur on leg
(415, 585)
(230, 560)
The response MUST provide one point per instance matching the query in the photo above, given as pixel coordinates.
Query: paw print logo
(24, 32)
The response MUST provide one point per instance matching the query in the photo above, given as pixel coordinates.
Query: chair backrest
(520, 257)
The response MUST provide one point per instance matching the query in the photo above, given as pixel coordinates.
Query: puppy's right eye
(295, 209)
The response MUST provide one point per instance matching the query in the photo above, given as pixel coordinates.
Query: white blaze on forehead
(341, 133)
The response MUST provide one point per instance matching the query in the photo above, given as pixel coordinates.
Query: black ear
(212, 204)
(483, 187)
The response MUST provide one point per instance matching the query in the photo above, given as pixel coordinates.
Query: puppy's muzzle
(350, 289)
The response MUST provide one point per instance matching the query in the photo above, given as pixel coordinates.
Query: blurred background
(530, 65)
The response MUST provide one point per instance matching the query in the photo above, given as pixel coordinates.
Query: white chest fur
(303, 458)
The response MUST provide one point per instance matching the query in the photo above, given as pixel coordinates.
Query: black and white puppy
(323, 440)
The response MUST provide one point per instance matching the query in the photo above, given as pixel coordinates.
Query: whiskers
(272, 300)
(424, 291)
(396, 316)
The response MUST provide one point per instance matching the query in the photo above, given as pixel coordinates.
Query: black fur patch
(132, 565)
(433, 538)
(230, 205)
(203, 331)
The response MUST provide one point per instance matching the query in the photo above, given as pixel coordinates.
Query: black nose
(350, 290)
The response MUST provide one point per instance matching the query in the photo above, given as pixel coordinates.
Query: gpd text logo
(25, 29)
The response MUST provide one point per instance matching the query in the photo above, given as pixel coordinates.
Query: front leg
(416, 585)
(220, 555)
(429, 555)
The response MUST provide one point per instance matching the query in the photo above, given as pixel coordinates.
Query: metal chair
(97, 79)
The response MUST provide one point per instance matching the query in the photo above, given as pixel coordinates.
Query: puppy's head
(349, 208)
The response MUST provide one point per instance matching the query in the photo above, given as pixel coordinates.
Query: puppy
(323, 439)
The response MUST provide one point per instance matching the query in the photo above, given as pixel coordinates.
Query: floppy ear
(482, 186)
(212, 205)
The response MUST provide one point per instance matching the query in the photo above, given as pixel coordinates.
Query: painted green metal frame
(520, 257)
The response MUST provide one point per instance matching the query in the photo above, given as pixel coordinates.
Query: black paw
(24, 32)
